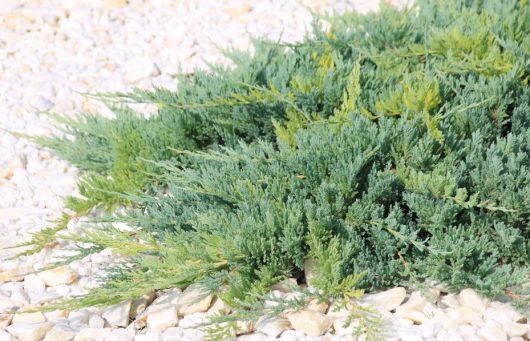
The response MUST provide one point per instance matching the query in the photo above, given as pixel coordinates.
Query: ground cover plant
(391, 149)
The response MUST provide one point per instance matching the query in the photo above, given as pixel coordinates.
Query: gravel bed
(53, 51)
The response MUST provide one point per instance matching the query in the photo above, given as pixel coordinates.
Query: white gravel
(51, 51)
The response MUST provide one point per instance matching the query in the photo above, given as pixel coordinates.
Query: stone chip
(60, 333)
(469, 298)
(58, 276)
(193, 300)
(273, 327)
(161, 317)
(5, 320)
(387, 300)
(28, 331)
(311, 322)
(117, 315)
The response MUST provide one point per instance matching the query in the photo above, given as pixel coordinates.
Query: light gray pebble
(172, 333)
(149, 336)
(41, 103)
(291, 335)
(96, 321)
(121, 335)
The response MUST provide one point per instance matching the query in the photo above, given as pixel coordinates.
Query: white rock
(61, 290)
(60, 333)
(161, 317)
(416, 301)
(173, 333)
(219, 308)
(255, 337)
(96, 322)
(140, 68)
(18, 273)
(29, 317)
(430, 310)
(400, 321)
(469, 298)
(192, 320)
(454, 313)
(77, 264)
(148, 336)
(29, 331)
(473, 338)
(171, 297)
(118, 315)
(450, 301)
(79, 317)
(41, 103)
(33, 283)
(193, 300)
(114, 4)
(188, 334)
(451, 323)
(6, 174)
(86, 283)
(292, 335)
(273, 326)
(121, 335)
(471, 316)
(310, 322)
(44, 297)
(5, 320)
(19, 161)
(6, 305)
(430, 328)
(503, 314)
(4, 336)
(513, 314)
(56, 315)
(409, 334)
(19, 296)
(494, 314)
(514, 329)
(92, 334)
(316, 305)
(492, 332)
(442, 335)
(415, 316)
(454, 336)
(58, 276)
(467, 331)
(387, 300)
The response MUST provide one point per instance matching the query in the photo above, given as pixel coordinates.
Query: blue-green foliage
(403, 137)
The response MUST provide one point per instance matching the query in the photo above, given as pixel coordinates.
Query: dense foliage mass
(394, 145)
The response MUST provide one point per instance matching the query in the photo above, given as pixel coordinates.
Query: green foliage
(395, 145)
(325, 251)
